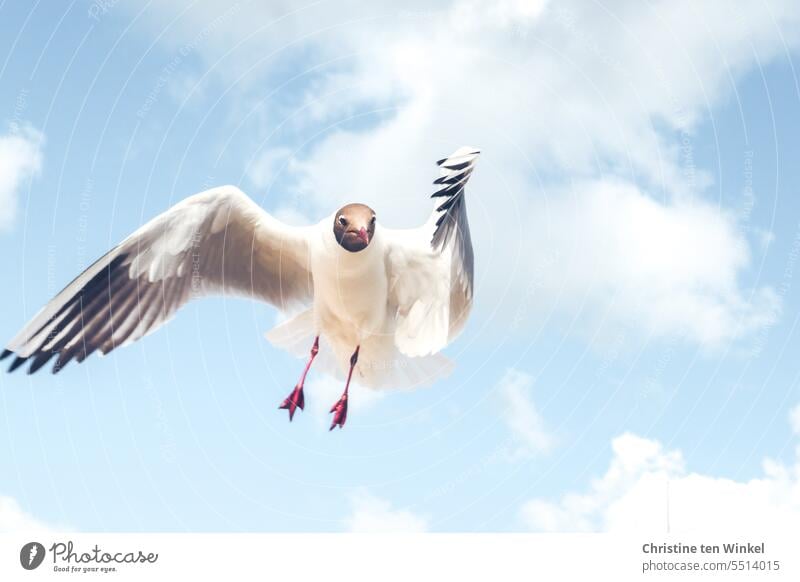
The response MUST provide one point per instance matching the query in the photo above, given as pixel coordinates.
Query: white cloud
(374, 515)
(14, 520)
(20, 158)
(571, 82)
(521, 415)
(646, 487)
(671, 268)
(606, 95)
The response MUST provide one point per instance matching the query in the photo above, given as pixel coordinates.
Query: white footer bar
(389, 557)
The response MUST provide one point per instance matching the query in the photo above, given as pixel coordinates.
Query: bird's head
(354, 226)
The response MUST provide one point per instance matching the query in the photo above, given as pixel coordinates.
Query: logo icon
(31, 555)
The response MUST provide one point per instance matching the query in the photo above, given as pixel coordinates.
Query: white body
(350, 289)
(350, 309)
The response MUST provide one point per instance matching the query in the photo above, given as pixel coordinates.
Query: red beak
(364, 235)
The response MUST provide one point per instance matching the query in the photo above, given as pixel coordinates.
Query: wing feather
(432, 268)
(216, 242)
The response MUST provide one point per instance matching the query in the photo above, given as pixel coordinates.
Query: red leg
(296, 399)
(339, 409)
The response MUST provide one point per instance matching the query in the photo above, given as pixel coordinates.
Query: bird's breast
(350, 294)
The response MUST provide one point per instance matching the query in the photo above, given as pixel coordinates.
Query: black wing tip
(18, 361)
(458, 153)
(37, 360)
(40, 360)
(458, 166)
(456, 171)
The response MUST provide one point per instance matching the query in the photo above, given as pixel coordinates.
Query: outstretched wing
(218, 241)
(431, 268)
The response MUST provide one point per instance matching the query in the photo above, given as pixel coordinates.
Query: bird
(372, 302)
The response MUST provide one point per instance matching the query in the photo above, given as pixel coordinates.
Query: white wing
(431, 267)
(218, 241)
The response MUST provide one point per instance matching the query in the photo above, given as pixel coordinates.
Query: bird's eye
(342, 220)
(372, 220)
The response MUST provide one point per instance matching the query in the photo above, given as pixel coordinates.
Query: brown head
(354, 226)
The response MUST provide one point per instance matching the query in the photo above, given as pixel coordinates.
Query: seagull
(384, 302)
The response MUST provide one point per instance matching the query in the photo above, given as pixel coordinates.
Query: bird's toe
(339, 411)
(295, 400)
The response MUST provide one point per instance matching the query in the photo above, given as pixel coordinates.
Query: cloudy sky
(630, 361)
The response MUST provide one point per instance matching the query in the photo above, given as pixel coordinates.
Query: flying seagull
(384, 302)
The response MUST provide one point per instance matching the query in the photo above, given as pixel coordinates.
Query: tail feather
(380, 364)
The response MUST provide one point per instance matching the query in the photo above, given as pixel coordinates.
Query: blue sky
(636, 227)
